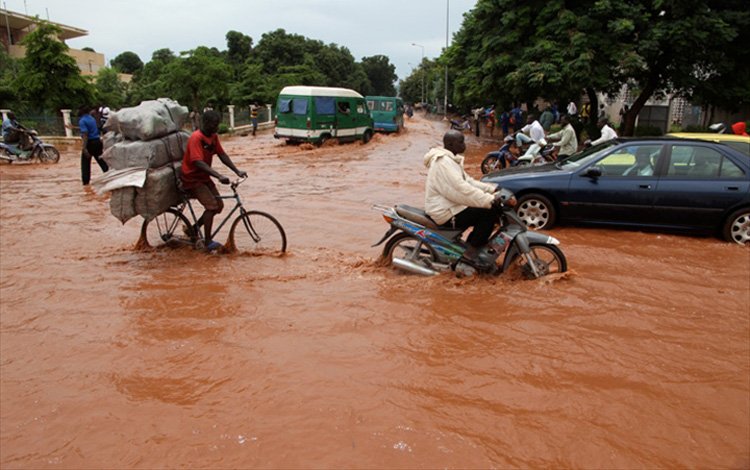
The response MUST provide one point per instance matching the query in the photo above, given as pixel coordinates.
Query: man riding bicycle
(196, 173)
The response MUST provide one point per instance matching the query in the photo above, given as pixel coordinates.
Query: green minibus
(387, 113)
(316, 114)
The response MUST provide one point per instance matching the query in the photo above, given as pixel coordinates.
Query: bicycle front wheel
(166, 229)
(257, 233)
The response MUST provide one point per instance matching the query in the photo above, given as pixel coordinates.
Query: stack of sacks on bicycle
(149, 137)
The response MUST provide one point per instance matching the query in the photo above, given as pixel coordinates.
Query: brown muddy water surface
(117, 358)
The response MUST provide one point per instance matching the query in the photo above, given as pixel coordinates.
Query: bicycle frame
(237, 205)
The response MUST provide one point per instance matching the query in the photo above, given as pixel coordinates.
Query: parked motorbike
(416, 244)
(45, 153)
(511, 155)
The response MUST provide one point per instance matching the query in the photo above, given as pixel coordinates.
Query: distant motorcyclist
(536, 135)
(14, 132)
(566, 139)
(607, 133)
(452, 196)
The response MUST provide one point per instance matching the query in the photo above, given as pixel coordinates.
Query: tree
(8, 68)
(557, 50)
(279, 49)
(381, 74)
(239, 47)
(127, 62)
(150, 82)
(110, 90)
(48, 77)
(199, 76)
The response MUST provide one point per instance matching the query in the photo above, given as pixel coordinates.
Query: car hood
(525, 170)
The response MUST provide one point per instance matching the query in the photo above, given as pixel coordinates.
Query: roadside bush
(223, 128)
(642, 131)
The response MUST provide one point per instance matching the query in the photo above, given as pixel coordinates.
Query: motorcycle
(416, 244)
(510, 154)
(461, 124)
(45, 153)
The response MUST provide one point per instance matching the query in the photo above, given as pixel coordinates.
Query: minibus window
(300, 106)
(285, 105)
(325, 105)
(361, 107)
(372, 104)
(387, 105)
(344, 108)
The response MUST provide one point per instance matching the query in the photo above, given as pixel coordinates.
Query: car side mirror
(593, 172)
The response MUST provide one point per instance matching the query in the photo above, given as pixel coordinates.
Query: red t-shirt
(199, 148)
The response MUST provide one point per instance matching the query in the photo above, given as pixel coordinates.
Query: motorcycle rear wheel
(410, 248)
(549, 259)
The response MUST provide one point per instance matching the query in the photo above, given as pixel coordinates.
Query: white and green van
(316, 114)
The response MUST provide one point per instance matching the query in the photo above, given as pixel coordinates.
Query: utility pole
(422, 67)
(447, 16)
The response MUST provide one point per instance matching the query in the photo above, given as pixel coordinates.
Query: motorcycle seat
(420, 217)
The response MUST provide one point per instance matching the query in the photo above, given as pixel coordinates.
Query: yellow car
(739, 142)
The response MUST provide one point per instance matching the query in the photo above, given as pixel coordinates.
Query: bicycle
(252, 231)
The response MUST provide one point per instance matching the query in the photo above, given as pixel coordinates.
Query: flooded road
(112, 357)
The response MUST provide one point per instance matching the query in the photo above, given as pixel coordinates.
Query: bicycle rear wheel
(166, 229)
(258, 233)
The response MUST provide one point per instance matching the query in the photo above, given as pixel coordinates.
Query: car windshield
(581, 159)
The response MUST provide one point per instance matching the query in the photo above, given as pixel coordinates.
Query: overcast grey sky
(366, 27)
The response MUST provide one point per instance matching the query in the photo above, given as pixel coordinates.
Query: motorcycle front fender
(522, 241)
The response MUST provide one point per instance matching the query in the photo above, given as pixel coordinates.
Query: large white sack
(153, 153)
(160, 192)
(111, 138)
(148, 120)
(122, 203)
(116, 179)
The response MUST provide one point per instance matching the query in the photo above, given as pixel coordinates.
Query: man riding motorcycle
(452, 196)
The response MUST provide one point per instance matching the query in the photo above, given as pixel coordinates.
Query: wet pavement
(113, 357)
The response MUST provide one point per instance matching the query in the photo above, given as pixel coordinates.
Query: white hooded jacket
(449, 190)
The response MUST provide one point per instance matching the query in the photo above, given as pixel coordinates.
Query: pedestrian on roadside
(547, 119)
(491, 119)
(572, 108)
(195, 119)
(91, 143)
(505, 122)
(254, 116)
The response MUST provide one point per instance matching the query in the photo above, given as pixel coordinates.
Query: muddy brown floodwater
(117, 358)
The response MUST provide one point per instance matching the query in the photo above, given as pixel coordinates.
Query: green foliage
(223, 128)
(49, 78)
(109, 89)
(127, 62)
(511, 52)
(199, 76)
(381, 75)
(641, 131)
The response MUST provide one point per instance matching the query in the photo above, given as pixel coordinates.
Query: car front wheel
(536, 211)
(737, 227)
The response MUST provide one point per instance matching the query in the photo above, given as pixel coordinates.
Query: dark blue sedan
(658, 183)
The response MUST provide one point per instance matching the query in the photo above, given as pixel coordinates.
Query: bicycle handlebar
(237, 182)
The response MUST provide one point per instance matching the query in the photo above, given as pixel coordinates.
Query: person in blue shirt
(91, 143)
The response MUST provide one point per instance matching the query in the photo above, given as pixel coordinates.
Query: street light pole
(422, 67)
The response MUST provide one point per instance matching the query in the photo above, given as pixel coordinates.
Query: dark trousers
(483, 221)
(94, 147)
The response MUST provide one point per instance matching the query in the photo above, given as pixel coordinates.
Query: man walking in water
(452, 196)
(197, 172)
